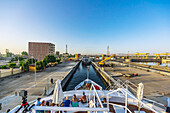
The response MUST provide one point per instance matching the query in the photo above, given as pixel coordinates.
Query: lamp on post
(35, 71)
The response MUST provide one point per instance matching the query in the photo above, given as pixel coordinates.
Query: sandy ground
(9, 86)
(154, 84)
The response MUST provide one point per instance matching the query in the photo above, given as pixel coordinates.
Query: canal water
(81, 74)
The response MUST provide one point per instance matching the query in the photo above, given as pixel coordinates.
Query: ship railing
(154, 103)
(127, 95)
(96, 96)
(73, 109)
(88, 81)
(133, 87)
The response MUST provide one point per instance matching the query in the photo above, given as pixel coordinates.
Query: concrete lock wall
(67, 78)
(103, 74)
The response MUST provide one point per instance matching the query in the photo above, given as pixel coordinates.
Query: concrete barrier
(67, 78)
(103, 74)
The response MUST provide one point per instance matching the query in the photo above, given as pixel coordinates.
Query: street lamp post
(18, 58)
(35, 72)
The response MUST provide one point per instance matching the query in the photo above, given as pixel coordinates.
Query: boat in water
(113, 99)
(86, 60)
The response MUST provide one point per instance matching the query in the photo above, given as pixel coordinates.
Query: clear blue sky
(86, 26)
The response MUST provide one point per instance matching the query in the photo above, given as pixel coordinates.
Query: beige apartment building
(39, 50)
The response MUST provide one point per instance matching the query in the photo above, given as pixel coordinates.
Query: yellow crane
(159, 54)
(103, 61)
(144, 54)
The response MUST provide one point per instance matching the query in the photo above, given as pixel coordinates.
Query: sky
(86, 26)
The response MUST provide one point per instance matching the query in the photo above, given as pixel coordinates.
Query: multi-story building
(39, 50)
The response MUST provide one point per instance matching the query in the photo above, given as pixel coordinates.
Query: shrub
(25, 66)
(39, 65)
(20, 63)
(58, 60)
(44, 62)
(3, 67)
(12, 65)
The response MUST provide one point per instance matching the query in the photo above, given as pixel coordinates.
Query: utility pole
(35, 72)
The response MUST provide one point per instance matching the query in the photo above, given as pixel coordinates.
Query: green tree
(31, 61)
(44, 62)
(49, 58)
(25, 66)
(24, 53)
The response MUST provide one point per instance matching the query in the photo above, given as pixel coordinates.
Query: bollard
(0, 74)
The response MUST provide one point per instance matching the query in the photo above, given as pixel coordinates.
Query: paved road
(26, 81)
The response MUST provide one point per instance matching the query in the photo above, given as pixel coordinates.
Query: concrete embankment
(103, 74)
(65, 80)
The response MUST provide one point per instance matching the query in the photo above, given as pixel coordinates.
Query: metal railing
(96, 95)
(54, 109)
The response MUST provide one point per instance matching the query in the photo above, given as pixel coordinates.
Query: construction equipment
(103, 61)
(144, 54)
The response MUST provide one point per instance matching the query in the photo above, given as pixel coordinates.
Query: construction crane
(103, 61)
(158, 55)
(144, 54)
